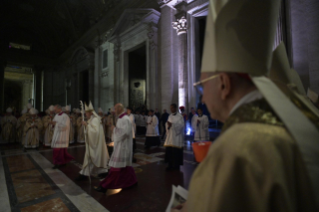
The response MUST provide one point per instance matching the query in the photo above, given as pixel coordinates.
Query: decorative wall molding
(104, 74)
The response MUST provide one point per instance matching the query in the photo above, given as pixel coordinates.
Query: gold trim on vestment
(258, 111)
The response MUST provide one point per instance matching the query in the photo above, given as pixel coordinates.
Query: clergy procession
(265, 158)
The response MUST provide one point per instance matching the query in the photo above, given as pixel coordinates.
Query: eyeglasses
(199, 85)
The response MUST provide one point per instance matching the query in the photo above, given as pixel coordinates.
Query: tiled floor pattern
(29, 188)
(33, 186)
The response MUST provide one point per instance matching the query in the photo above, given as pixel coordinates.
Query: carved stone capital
(180, 25)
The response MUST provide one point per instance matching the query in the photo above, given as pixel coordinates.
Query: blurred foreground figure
(266, 158)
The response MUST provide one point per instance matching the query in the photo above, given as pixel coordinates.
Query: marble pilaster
(1, 86)
(169, 77)
(180, 25)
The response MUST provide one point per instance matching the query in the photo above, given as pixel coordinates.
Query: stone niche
(136, 27)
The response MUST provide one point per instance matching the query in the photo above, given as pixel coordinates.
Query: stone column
(91, 84)
(2, 65)
(167, 72)
(117, 69)
(181, 28)
(154, 94)
(27, 91)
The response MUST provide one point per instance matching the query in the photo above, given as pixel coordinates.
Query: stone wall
(304, 17)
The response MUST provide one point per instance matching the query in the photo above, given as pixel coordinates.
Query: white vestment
(200, 125)
(96, 154)
(175, 134)
(61, 131)
(132, 119)
(152, 126)
(123, 143)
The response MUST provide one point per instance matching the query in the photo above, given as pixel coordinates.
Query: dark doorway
(137, 77)
(84, 86)
(12, 95)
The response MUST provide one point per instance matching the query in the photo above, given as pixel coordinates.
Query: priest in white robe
(121, 174)
(32, 129)
(60, 140)
(8, 125)
(200, 125)
(48, 127)
(22, 121)
(96, 154)
(174, 140)
(152, 133)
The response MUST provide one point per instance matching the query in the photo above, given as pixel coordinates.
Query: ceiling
(49, 26)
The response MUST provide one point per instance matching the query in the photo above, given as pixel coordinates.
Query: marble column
(27, 91)
(117, 56)
(168, 81)
(91, 84)
(154, 94)
(181, 29)
(2, 65)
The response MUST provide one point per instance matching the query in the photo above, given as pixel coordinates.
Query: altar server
(200, 124)
(152, 134)
(60, 140)
(174, 142)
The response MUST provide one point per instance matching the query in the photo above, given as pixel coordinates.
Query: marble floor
(29, 184)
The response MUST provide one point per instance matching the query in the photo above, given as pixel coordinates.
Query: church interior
(144, 54)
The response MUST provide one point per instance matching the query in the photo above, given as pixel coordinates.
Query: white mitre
(33, 111)
(51, 108)
(281, 72)
(239, 39)
(89, 108)
(287, 79)
(9, 110)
